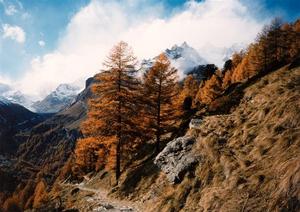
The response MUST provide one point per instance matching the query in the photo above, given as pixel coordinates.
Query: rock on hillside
(177, 158)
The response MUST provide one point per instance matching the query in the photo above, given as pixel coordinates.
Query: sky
(44, 43)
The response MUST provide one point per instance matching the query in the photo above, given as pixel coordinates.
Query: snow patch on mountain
(4, 101)
(15, 96)
(18, 97)
(65, 90)
(62, 97)
(182, 57)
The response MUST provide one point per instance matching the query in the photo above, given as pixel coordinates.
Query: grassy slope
(250, 157)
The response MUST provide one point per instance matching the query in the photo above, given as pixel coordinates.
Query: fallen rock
(177, 158)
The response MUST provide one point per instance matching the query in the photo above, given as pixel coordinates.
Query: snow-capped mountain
(4, 101)
(183, 57)
(15, 96)
(57, 100)
(18, 97)
(62, 97)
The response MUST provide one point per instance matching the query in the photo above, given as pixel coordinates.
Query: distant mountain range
(60, 98)
(183, 57)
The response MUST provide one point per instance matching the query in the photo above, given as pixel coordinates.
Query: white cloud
(10, 10)
(5, 80)
(13, 32)
(11, 7)
(42, 43)
(209, 25)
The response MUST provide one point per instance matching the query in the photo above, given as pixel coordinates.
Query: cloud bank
(209, 26)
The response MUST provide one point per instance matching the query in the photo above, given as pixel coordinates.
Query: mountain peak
(184, 57)
(63, 96)
(184, 45)
(67, 89)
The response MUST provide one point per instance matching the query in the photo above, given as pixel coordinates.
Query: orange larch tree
(159, 90)
(111, 126)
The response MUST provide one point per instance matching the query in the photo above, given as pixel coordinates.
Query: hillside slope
(52, 142)
(15, 120)
(248, 160)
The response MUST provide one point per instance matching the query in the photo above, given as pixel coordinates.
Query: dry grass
(251, 156)
(250, 159)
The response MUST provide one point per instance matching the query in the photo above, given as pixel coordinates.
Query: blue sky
(42, 20)
(31, 29)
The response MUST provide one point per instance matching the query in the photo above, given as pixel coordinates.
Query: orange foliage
(40, 194)
(189, 90)
(111, 126)
(90, 154)
(159, 92)
(212, 88)
(277, 44)
(12, 205)
(227, 79)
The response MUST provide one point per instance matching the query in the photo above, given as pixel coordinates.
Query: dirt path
(100, 201)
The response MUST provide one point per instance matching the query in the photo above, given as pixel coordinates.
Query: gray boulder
(177, 158)
(195, 123)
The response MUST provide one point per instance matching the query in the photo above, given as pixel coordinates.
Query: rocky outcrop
(195, 123)
(177, 158)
